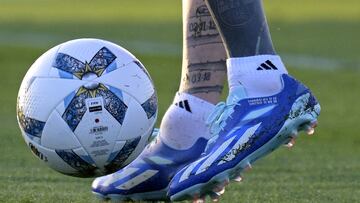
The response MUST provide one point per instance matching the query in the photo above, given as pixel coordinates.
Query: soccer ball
(87, 107)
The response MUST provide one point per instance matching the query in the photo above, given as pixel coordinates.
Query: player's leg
(202, 78)
(183, 132)
(265, 108)
(252, 60)
(204, 57)
(243, 27)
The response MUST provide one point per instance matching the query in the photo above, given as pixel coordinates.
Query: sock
(259, 75)
(184, 122)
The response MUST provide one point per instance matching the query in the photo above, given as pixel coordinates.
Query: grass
(323, 168)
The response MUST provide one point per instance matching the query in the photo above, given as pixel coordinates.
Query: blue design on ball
(114, 105)
(84, 168)
(117, 162)
(68, 63)
(141, 66)
(102, 59)
(150, 106)
(77, 108)
(29, 125)
(97, 65)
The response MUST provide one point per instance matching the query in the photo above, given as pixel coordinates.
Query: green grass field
(318, 39)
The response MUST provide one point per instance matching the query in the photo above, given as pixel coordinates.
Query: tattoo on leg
(202, 22)
(205, 89)
(202, 64)
(202, 28)
(204, 73)
(258, 43)
(209, 65)
(204, 60)
(194, 42)
(235, 13)
(243, 26)
(197, 77)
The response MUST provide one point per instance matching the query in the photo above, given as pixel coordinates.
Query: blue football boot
(245, 130)
(148, 176)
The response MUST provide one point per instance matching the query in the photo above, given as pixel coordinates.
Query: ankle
(184, 122)
(258, 75)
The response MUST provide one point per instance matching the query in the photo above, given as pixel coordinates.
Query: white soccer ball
(87, 107)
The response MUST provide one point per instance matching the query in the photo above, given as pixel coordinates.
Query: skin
(243, 27)
(204, 56)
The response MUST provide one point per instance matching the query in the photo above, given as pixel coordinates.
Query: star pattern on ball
(92, 93)
(97, 65)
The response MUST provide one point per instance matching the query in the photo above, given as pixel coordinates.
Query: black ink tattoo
(197, 28)
(209, 65)
(198, 77)
(204, 89)
(235, 12)
(202, 11)
(204, 40)
(243, 27)
(202, 22)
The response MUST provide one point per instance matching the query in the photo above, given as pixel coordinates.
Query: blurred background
(318, 40)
